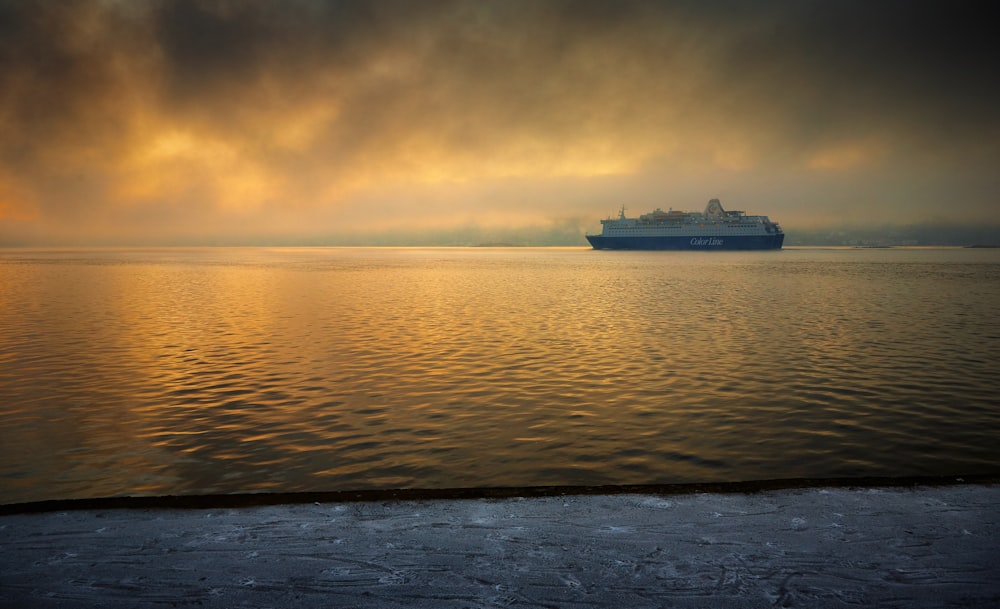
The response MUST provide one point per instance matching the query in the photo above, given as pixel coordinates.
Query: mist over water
(220, 370)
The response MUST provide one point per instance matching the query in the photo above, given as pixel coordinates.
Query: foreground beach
(928, 546)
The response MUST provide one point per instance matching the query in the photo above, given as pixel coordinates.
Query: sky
(458, 122)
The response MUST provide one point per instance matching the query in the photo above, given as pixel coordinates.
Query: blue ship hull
(736, 242)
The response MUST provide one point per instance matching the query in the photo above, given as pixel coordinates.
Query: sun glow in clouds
(850, 155)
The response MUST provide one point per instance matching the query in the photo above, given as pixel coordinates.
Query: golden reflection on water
(225, 370)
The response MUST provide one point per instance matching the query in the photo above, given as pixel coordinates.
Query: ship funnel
(714, 208)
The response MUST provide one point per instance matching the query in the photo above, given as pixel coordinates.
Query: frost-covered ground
(870, 547)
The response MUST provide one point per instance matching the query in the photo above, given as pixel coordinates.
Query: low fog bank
(570, 233)
(913, 235)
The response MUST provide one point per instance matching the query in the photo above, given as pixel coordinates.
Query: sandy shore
(811, 547)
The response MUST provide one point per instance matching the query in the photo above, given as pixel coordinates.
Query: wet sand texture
(928, 547)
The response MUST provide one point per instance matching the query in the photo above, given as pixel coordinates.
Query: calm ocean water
(174, 371)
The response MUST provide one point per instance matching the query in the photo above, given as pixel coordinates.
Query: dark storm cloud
(210, 47)
(313, 101)
(205, 47)
(809, 69)
(49, 81)
(62, 95)
(928, 63)
(930, 54)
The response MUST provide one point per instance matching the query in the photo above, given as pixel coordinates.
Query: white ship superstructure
(715, 228)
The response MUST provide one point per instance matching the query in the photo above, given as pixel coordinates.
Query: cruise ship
(713, 229)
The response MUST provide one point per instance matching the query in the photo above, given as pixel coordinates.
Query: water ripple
(195, 371)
